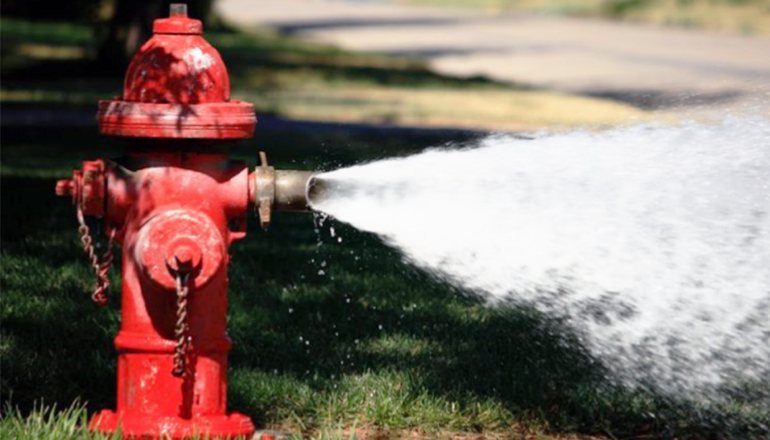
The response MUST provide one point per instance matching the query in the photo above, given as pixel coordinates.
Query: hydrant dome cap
(177, 87)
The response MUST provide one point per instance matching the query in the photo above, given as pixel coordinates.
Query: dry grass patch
(486, 109)
(736, 16)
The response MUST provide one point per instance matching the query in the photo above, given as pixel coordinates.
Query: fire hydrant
(175, 203)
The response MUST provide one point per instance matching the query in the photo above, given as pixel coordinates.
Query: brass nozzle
(291, 189)
(284, 190)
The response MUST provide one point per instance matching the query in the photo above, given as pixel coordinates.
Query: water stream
(652, 242)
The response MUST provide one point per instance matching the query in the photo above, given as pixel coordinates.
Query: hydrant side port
(283, 190)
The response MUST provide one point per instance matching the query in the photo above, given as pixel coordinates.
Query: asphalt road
(650, 67)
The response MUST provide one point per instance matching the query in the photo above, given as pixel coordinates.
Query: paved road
(647, 66)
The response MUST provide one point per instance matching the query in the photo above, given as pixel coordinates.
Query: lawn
(749, 17)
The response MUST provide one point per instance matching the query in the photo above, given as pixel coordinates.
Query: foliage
(119, 26)
(84, 11)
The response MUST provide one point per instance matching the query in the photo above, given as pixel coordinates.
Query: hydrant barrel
(178, 215)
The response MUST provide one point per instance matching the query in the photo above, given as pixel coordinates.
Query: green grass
(53, 423)
(372, 347)
(47, 422)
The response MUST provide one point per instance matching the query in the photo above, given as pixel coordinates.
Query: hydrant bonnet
(178, 87)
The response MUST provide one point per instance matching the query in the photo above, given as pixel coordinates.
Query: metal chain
(101, 269)
(182, 329)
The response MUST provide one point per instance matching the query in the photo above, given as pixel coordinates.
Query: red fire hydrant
(175, 203)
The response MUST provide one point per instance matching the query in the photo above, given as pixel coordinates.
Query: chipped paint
(197, 60)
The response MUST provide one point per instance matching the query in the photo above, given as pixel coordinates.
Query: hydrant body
(175, 203)
(175, 208)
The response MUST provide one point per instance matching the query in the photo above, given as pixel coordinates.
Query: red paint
(87, 187)
(177, 207)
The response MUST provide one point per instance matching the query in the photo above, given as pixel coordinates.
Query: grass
(736, 16)
(49, 65)
(372, 347)
(46, 422)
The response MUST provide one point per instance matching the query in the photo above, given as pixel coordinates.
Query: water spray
(651, 242)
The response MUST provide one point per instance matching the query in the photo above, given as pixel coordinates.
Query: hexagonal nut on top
(177, 242)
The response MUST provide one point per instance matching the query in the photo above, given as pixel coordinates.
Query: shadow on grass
(324, 331)
(56, 343)
(242, 54)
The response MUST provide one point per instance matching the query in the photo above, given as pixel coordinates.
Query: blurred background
(492, 64)
(332, 338)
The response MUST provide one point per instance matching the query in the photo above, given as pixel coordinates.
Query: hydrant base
(142, 426)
